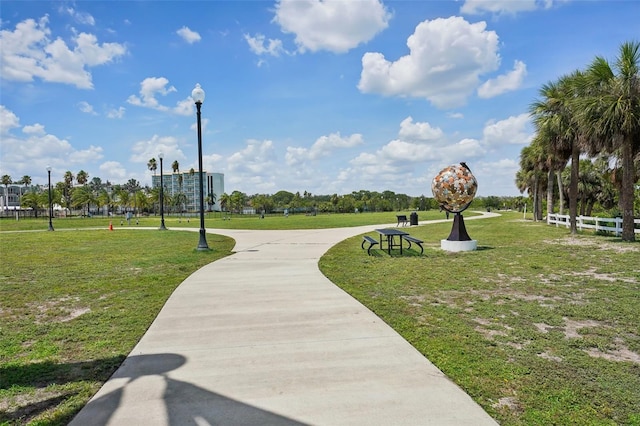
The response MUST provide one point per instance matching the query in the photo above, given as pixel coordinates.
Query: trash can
(413, 218)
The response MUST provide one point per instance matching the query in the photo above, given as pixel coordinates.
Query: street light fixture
(198, 96)
(162, 227)
(50, 204)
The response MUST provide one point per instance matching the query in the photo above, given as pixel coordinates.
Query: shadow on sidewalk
(185, 404)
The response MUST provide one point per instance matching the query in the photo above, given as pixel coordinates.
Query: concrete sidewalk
(263, 338)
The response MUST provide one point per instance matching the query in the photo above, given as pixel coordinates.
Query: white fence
(588, 222)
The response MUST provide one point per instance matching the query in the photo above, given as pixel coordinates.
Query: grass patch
(74, 304)
(538, 327)
(216, 220)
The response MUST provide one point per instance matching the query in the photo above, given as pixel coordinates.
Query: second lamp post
(162, 227)
(50, 203)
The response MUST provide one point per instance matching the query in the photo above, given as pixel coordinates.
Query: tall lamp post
(198, 96)
(162, 227)
(50, 204)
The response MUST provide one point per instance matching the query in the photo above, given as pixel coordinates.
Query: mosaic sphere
(454, 187)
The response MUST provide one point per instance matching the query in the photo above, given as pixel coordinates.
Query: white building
(189, 184)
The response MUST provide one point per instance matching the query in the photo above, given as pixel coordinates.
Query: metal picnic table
(388, 235)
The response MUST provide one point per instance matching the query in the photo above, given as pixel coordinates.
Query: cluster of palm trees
(85, 194)
(595, 114)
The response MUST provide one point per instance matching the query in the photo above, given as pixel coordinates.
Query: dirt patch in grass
(509, 403)
(571, 327)
(63, 309)
(621, 354)
(600, 245)
(550, 357)
(591, 273)
(75, 314)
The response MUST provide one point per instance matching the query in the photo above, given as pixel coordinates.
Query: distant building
(213, 184)
(11, 199)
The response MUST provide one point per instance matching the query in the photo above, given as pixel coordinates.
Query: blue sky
(301, 95)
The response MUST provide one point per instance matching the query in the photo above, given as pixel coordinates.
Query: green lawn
(74, 304)
(216, 220)
(538, 327)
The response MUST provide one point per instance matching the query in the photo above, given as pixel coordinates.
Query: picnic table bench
(402, 219)
(372, 242)
(387, 236)
(414, 240)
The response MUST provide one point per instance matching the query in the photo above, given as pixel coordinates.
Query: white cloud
(322, 147)
(498, 7)
(28, 53)
(333, 25)
(515, 130)
(113, 171)
(504, 83)
(184, 107)
(261, 46)
(116, 113)
(149, 87)
(80, 17)
(254, 166)
(86, 107)
(204, 123)
(411, 131)
(188, 35)
(35, 149)
(495, 177)
(143, 150)
(463, 150)
(401, 161)
(35, 129)
(446, 58)
(153, 86)
(506, 7)
(407, 152)
(8, 120)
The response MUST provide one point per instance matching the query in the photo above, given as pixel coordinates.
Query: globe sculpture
(454, 188)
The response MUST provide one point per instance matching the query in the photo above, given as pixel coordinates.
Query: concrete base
(459, 245)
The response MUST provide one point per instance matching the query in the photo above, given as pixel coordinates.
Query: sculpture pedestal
(468, 245)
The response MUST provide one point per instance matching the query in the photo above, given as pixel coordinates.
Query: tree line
(587, 137)
(79, 193)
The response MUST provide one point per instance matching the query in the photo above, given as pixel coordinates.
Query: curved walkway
(261, 337)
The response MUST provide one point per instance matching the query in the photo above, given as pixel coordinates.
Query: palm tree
(83, 196)
(26, 181)
(133, 186)
(67, 188)
(152, 165)
(104, 199)
(530, 174)
(192, 173)
(225, 201)
(554, 116)
(334, 200)
(6, 181)
(82, 177)
(611, 114)
(179, 200)
(589, 185)
(33, 200)
(122, 197)
(238, 200)
(142, 199)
